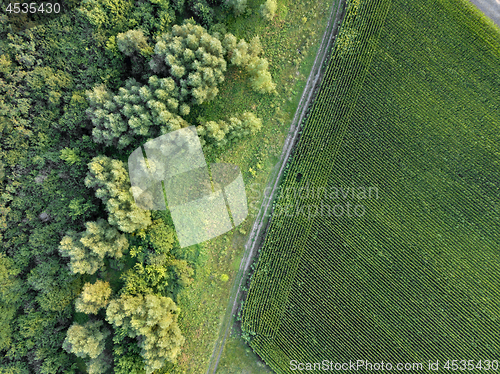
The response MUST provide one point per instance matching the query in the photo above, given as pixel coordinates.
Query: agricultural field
(384, 243)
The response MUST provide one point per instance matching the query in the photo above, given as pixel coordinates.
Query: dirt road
(259, 228)
(491, 8)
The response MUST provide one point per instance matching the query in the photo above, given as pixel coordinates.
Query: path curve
(259, 227)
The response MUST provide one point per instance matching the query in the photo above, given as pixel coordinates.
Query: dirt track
(260, 225)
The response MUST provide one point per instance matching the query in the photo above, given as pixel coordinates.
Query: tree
(154, 320)
(86, 340)
(82, 260)
(202, 11)
(87, 249)
(103, 239)
(183, 271)
(236, 127)
(268, 9)
(246, 55)
(111, 182)
(93, 297)
(161, 237)
(108, 16)
(144, 110)
(238, 6)
(132, 41)
(193, 58)
(9, 296)
(153, 16)
(69, 155)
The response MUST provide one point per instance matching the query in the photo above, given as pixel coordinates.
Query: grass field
(297, 25)
(408, 107)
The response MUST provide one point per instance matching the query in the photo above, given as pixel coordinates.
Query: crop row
(420, 252)
(322, 136)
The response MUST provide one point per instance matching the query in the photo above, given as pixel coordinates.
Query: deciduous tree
(133, 41)
(87, 249)
(194, 58)
(268, 9)
(86, 340)
(246, 55)
(154, 320)
(111, 182)
(93, 297)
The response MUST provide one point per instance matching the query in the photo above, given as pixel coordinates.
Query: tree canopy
(111, 182)
(93, 297)
(154, 320)
(193, 58)
(87, 249)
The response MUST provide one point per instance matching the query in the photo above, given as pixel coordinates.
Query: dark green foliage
(109, 178)
(154, 320)
(9, 297)
(137, 110)
(42, 80)
(153, 16)
(202, 11)
(127, 355)
(193, 58)
(157, 270)
(56, 287)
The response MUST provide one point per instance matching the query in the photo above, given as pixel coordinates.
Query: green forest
(89, 281)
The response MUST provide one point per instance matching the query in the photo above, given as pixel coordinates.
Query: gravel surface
(491, 8)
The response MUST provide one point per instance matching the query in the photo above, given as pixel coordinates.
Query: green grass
(409, 105)
(239, 358)
(205, 301)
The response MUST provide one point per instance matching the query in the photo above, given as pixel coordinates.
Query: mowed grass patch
(204, 302)
(414, 277)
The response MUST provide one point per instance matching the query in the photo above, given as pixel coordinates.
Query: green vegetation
(93, 297)
(111, 182)
(207, 297)
(79, 261)
(268, 9)
(88, 341)
(87, 249)
(154, 320)
(407, 106)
